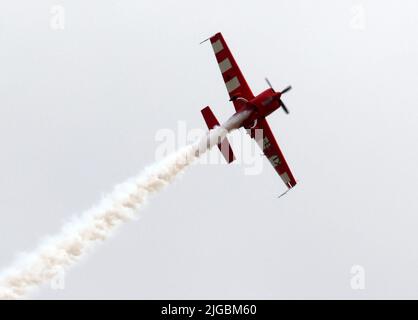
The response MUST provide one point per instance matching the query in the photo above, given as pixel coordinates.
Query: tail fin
(224, 146)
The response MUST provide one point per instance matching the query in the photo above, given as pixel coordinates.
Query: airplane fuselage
(262, 105)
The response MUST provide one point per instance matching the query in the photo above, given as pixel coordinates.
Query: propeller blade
(286, 89)
(284, 107)
(268, 82)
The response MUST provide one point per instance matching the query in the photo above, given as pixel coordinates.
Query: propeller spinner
(288, 88)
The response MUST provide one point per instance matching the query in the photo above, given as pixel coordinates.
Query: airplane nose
(278, 95)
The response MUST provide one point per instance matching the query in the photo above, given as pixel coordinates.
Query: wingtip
(204, 40)
(284, 193)
(216, 34)
(290, 187)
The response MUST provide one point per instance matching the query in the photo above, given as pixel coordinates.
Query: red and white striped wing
(271, 150)
(235, 82)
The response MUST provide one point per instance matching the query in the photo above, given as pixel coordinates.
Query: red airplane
(259, 106)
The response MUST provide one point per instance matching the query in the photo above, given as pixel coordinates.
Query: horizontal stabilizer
(224, 146)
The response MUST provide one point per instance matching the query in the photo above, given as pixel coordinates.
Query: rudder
(224, 146)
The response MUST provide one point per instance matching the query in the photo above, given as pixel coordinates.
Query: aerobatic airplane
(259, 107)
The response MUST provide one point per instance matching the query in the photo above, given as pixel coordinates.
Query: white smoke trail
(97, 224)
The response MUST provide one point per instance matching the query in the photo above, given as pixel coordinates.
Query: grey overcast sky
(81, 106)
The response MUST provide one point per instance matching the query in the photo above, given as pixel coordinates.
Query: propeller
(288, 88)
